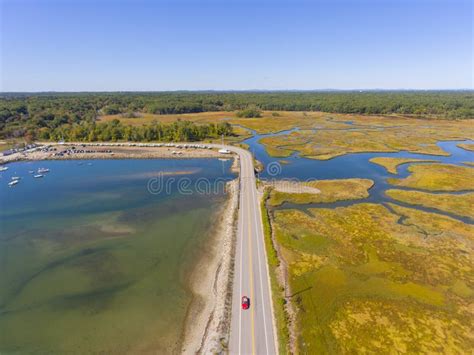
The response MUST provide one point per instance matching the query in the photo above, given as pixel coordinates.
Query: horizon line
(230, 90)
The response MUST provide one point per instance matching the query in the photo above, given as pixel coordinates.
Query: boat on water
(3, 168)
(16, 178)
(43, 170)
(13, 183)
(37, 176)
(31, 171)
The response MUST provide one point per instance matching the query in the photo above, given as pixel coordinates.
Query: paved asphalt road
(252, 330)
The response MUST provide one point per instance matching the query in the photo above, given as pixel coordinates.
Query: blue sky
(229, 44)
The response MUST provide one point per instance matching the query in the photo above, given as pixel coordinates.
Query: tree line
(179, 131)
(24, 114)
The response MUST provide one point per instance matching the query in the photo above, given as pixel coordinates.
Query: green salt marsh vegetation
(370, 278)
(437, 177)
(466, 146)
(461, 205)
(391, 164)
(329, 191)
(327, 136)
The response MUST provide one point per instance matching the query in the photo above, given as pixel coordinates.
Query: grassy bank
(278, 293)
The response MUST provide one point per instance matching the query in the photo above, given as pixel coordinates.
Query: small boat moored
(16, 178)
(13, 183)
(43, 170)
(37, 176)
(3, 168)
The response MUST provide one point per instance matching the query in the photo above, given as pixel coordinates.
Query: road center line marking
(241, 254)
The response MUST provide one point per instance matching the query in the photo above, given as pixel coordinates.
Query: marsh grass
(368, 278)
(437, 177)
(335, 137)
(391, 164)
(330, 191)
(466, 146)
(461, 205)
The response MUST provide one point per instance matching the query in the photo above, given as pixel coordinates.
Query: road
(252, 330)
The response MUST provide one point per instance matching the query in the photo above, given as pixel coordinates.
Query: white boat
(43, 170)
(3, 168)
(38, 176)
(16, 178)
(30, 172)
(14, 182)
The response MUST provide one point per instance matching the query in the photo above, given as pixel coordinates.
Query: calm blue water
(70, 179)
(92, 262)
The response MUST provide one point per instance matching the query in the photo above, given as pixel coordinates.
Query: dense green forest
(179, 131)
(51, 114)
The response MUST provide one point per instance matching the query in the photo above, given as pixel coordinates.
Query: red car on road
(245, 302)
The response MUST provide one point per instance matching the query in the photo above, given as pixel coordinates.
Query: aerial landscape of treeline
(72, 115)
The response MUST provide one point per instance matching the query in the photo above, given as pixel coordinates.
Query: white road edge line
(259, 236)
(241, 254)
(269, 287)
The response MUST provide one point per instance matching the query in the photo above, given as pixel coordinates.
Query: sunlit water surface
(91, 261)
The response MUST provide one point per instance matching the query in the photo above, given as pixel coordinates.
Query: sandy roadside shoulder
(208, 320)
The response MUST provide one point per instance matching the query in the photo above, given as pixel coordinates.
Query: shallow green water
(91, 261)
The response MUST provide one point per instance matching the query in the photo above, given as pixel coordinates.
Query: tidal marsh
(330, 191)
(391, 164)
(371, 278)
(466, 146)
(437, 177)
(462, 204)
(319, 139)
